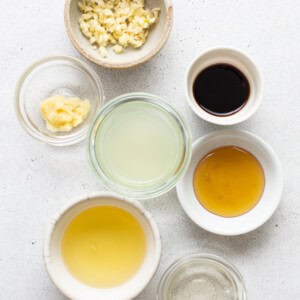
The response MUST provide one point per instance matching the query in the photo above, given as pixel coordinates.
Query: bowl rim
(201, 256)
(42, 138)
(94, 196)
(275, 200)
(149, 193)
(215, 119)
(137, 62)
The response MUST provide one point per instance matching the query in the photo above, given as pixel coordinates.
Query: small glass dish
(201, 276)
(57, 75)
(135, 152)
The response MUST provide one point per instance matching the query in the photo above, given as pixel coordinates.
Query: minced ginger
(63, 114)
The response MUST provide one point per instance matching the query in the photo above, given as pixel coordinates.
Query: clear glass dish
(57, 75)
(137, 116)
(201, 277)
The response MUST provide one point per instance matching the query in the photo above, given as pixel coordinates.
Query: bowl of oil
(233, 184)
(102, 247)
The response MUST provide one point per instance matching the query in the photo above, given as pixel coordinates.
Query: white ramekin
(73, 288)
(237, 59)
(264, 208)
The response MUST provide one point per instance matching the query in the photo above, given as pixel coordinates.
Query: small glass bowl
(139, 191)
(58, 75)
(201, 276)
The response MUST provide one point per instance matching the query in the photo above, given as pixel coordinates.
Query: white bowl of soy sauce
(223, 86)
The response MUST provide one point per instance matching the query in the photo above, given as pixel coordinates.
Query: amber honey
(229, 181)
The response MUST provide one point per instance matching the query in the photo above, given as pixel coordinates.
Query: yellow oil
(103, 246)
(229, 181)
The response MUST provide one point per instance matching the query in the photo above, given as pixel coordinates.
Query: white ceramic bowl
(157, 38)
(268, 202)
(237, 59)
(73, 288)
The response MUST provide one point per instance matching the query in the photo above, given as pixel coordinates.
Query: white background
(36, 180)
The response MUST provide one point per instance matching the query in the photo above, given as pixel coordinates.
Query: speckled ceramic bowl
(131, 57)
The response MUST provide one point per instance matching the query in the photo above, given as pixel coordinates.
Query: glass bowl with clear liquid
(139, 146)
(201, 277)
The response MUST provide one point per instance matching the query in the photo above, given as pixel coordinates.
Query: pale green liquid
(139, 145)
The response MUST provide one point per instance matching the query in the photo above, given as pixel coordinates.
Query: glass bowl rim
(38, 135)
(230, 268)
(149, 192)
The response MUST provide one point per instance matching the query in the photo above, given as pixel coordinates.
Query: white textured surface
(36, 179)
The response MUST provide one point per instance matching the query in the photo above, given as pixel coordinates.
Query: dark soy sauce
(221, 89)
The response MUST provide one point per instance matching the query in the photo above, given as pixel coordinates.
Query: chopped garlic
(121, 23)
(118, 49)
(103, 51)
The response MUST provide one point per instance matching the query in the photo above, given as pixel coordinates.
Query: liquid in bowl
(229, 181)
(109, 221)
(221, 89)
(139, 146)
(201, 277)
(103, 246)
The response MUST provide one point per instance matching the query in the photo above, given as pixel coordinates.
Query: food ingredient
(139, 145)
(63, 114)
(221, 90)
(120, 23)
(103, 246)
(229, 181)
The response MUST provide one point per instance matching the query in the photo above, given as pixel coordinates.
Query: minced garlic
(120, 23)
(63, 114)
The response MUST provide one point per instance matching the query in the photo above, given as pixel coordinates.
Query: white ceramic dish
(237, 59)
(157, 38)
(73, 288)
(268, 202)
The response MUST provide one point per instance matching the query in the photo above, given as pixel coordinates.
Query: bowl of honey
(102, 247)
(233, 184)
